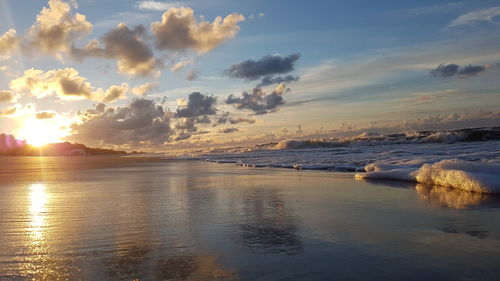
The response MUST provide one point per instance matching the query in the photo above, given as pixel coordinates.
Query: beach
(125, 218)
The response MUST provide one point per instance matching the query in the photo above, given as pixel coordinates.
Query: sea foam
(460, 174)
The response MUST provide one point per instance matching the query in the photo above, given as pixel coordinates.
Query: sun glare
(41, 132)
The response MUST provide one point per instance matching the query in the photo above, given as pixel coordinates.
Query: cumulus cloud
(156, 5)
(266, 66)
(482, 15)
(197, 105)
(179, 30)
(7, 96)
(8, 43)
(115, 93)
(258, 101)
(56, 29)
(128, 46)
(65, 83)
(449, 70)
(42, 115)
(142, 122)
(145, 88)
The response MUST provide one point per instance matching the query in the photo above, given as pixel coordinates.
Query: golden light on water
(38, 199)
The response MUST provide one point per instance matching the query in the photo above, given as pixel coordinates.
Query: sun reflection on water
(38, 199)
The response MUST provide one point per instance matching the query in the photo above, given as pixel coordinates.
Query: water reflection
(451, 197)
(270, 226)
(38, 198)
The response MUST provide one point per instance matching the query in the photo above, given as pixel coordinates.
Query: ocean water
(467, 159)
(116, 218)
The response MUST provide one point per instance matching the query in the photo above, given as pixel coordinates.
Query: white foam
(465, 175)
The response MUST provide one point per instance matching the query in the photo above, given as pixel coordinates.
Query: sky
(158, 75)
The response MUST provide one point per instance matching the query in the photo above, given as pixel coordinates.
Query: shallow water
(60, 219)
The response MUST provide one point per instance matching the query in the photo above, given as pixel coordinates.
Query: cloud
(228, 130)
(56, 29)
(266, 66)
(198, 105)
(180, 31)
(140, 123)
(7, 96)
(42, 115)
(241, 120)
(192, 75)
(270, 80)
(471, 70)
(65, 83)
(482, 15)
(115, 93)
(156, 5)
(8, 43)
(449, 70)
(258, 101)
(445, 70)
(128, 46)
(145, 89)
(18, 110)
(178, 66)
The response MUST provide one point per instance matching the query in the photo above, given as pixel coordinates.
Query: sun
(41, 132)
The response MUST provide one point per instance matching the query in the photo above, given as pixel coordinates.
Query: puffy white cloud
(65, 83)
(8, 43)
(179, 30)
(56, 28)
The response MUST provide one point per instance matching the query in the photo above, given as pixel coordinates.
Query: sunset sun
(41, 132)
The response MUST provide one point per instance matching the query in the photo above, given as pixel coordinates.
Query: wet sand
(115, 218)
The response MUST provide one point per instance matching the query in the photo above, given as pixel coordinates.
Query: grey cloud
(471, 70)
(128, 46)
(228, 130)
(445, 70)
(139, 123)
(266, 66)
(258, 101)
(198, 105)
(270, 80)
(450, 70)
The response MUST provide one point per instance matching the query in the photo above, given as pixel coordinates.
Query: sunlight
(38, 200)
(41, 132)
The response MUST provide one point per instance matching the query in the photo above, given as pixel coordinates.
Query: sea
(372, 207)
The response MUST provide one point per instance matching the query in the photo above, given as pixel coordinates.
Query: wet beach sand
(120, 218)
